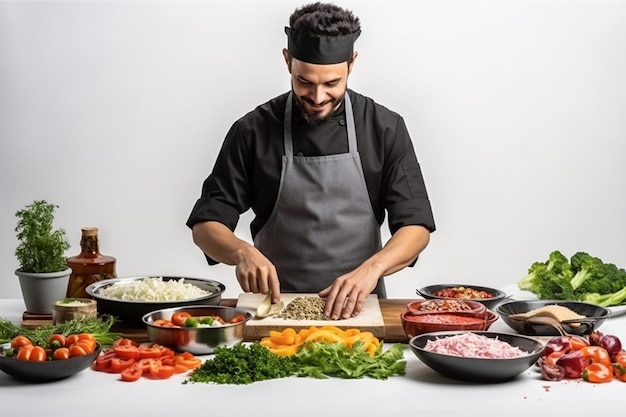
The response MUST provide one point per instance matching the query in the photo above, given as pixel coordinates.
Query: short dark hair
(324, 19)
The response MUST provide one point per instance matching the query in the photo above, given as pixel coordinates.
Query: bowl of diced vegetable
(129, 299)
(197, 329)
(488, 296)
(477, 356)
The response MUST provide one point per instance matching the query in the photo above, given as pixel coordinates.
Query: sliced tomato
(150, 351)
(119, 364)
(179, 318)
(126, 351)
(124, 341)
(144, 364)
(167, 360)
(160, 371)
(132, 373)
(103, 361)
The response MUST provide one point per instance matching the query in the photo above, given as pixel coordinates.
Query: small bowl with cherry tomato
(197, 329)
(488, 296)
(61, 357)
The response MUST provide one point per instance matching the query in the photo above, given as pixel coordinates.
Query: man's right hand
(255, 272)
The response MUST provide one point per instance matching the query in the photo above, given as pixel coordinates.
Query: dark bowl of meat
(551, 317)
(477, 356)
(416, 323)
(488, 296)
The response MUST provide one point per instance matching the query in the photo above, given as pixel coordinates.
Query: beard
(314, 118)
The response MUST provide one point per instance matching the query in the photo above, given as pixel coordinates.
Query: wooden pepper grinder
(89, 265)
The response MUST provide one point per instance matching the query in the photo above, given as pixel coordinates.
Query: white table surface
(420, 392)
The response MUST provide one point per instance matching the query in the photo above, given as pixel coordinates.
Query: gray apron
(322, 225)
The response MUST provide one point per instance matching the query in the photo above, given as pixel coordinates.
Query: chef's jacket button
(342, 122)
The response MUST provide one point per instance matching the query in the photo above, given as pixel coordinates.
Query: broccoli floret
(585, 266)
(557, 263)
(605, 300)
(527, 282)
(551, 285)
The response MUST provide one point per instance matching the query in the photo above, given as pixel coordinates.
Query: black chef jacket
(248, 168)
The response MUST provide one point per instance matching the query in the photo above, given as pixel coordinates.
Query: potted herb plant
(43, 271)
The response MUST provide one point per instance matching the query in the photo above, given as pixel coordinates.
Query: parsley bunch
(242, 364)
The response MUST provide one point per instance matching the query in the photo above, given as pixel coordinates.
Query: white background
(115, 111)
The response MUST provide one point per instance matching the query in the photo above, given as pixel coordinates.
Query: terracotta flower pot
(41, 290)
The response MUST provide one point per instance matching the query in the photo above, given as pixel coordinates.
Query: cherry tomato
(56, 341)
(32, 353)
(79, 349)
(163, 323)
(127, 351)
(19, 341)
(596, 354)
(38, 354)
(24, 352)
(71, 339)
(238, 318)
(61, 353)
(179, 318)
(132, 373)
(597, 372)
(619, 366)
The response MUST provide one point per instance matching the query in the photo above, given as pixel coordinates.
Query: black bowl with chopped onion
(129, 299)
(488, 296)
(477, 356)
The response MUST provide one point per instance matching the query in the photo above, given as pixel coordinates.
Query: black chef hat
(320, 50)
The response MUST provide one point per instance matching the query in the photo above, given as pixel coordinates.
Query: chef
(320, 166)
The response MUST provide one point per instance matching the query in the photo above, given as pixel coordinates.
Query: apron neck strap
(287, 136)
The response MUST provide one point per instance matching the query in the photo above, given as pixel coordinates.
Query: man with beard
(319, 166)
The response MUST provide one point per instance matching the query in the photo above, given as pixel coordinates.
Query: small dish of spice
(73, 308)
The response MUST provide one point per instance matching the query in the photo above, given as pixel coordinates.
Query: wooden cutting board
(370, 319)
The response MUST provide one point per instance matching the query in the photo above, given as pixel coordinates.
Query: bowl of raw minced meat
(477, 356)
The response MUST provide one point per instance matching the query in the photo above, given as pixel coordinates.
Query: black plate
(429, 291)
(45, 371)
(478, 369)
(524, 306)
(132, 312)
